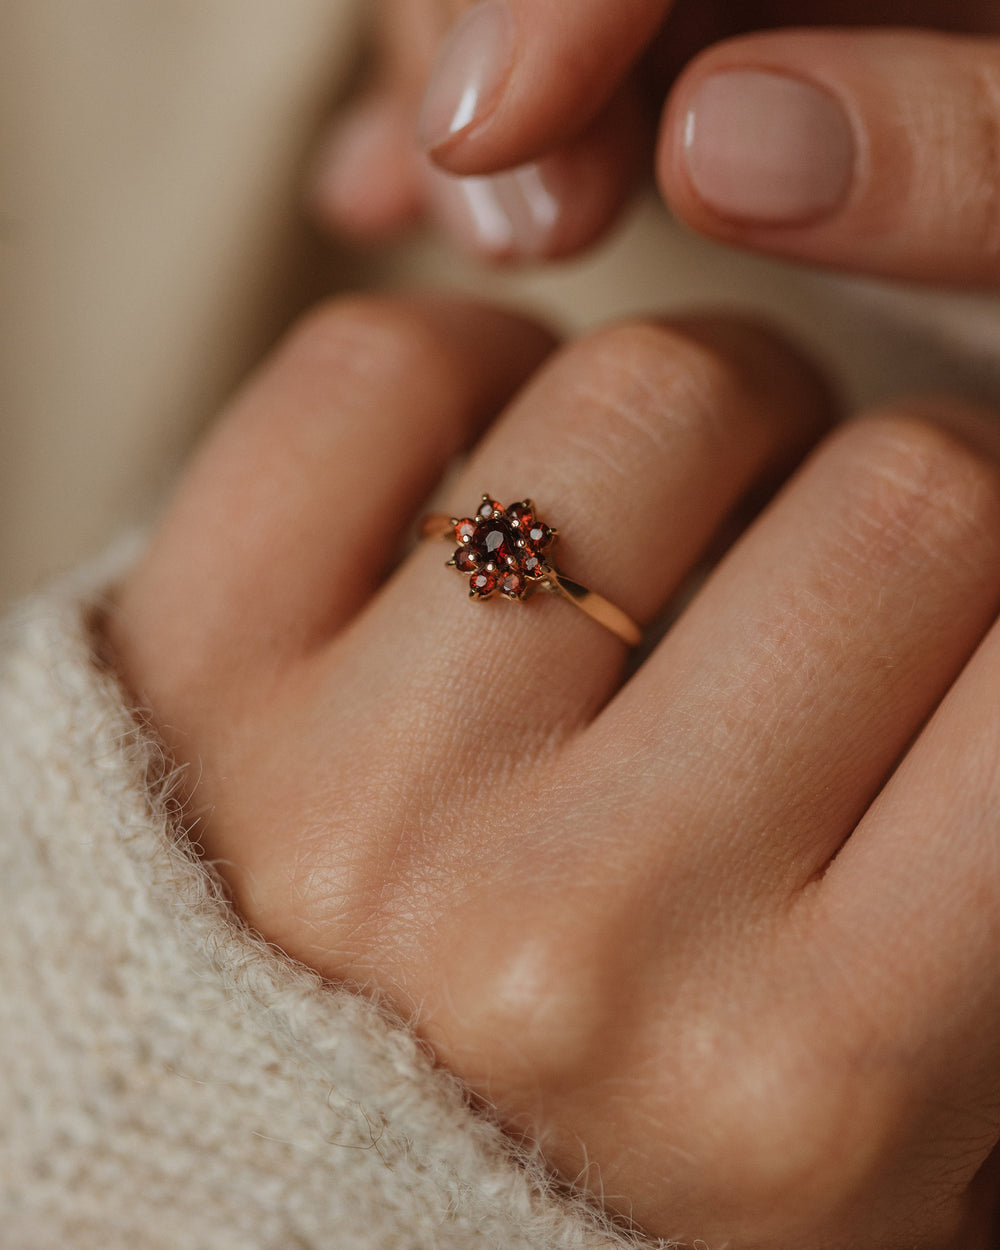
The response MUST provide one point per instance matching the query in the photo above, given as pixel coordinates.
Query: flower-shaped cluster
(502, 549)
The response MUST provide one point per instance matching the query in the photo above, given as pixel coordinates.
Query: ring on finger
(507, 551)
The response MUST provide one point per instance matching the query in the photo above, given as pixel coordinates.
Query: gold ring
(506, 551)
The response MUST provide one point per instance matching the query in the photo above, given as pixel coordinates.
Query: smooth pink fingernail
(468, 73)
(510, 216)
(763, 147)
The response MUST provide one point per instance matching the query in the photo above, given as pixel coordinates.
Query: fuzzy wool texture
(166, 1078)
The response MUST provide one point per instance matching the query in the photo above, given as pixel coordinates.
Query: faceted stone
(539, 536)
(512, 585)
(488, 507)
(465, 530)
(521, 516)
(465, 561)
(494, 543)
(482, 584)
(533, 567)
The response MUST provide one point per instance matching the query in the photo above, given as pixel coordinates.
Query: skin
(720, 932)
(595, 113)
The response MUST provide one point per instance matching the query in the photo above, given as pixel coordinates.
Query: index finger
(515, 78)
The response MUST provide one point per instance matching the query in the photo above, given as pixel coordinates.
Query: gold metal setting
(506, 551)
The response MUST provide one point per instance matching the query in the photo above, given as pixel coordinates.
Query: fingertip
(516, 79)
(364, 180)
(748, 145)
(866, 151)
(547, 209)
(468, 76)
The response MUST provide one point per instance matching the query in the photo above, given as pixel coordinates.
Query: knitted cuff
(166, 1078)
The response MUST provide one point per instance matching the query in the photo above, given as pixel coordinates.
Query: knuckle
(314, 893)
(653, 345)
(800, 1134)
(914, 484)
(657, 381)
(526, 1010)
(937, 187)
(366, 340)
(981, 195)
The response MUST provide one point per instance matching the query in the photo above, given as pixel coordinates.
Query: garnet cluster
(502, 549)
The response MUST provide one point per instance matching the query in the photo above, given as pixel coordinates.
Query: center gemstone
(495, 544)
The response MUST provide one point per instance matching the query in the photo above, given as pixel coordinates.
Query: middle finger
(635, 444)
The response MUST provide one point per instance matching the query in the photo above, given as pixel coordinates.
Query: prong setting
(502, 550)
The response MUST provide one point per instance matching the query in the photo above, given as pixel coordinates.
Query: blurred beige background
(152, 244)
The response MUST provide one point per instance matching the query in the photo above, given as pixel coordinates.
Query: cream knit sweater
(168, 1080)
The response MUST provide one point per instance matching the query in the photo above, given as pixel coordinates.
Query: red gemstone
(494, 543)
(539, 536)
(512, 585)
(487, 508)
(465, 561)
(465, 530)
(482, 584)
(521, 516)
(533, 567)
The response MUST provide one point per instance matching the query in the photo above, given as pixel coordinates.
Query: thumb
(870, 151)
(515, 78)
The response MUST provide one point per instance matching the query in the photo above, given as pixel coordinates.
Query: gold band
(596, 607)
(547, 577)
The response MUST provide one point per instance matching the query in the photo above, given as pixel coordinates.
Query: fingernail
(468, 73)
(510, 216)
(763, 147)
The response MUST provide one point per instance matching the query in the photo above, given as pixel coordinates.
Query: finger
(370, 179)
(869, 151)
(516, 78)
(634, 443)
(548, 208)
(366, 179)
(911, 906)
(785, 693)
(290, 515)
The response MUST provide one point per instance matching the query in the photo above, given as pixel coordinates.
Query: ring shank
(596, 607)
(439, 525)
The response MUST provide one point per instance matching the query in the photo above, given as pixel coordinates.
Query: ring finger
(634, 444)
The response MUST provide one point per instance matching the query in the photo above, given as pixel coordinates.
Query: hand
(866, 149)
(721, 935)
